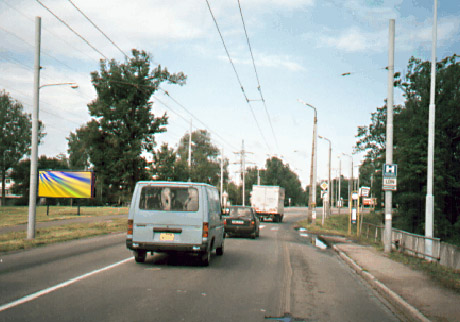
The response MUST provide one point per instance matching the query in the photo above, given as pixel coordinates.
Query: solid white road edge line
(36, 295)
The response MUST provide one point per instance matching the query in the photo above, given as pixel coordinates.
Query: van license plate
(165, 236)
(237, 222)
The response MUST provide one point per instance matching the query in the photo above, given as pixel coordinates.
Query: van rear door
(169, 214)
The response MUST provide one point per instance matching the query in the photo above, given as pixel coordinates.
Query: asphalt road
(255, 280)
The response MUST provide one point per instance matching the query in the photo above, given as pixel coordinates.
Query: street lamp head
(72, 85)
(306, 104)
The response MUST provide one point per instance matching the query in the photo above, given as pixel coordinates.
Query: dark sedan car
(241, 221)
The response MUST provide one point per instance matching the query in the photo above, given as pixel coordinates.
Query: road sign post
(389, 177)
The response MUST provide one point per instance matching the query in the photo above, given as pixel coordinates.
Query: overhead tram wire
(257, 75)
(18, 92)
(33, 46)
(72, 30)
(237, 76)
(99, 29)
(179, 115)
(194, 117)
(47, 30)
(182, 106)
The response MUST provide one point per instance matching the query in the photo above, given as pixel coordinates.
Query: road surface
(281, 274)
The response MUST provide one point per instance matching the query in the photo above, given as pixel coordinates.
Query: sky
(300, 50)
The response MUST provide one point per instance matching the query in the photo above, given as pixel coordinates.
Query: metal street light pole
(221, 175)
(340, 183)
(389, 138)
(350, 182)
(190, 150)
(429, 203)
(350, 202)
(243, 170)
(329, 188)
(34, 146)
(313, 162)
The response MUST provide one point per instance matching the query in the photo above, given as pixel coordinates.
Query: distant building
(9, 183)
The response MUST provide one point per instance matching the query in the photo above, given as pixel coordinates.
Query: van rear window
(169, 198)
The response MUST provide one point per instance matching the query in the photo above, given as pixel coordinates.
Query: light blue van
(175, 217)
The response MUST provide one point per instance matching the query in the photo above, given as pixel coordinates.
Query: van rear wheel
(139, 256)
(220, 250)
(206, 258)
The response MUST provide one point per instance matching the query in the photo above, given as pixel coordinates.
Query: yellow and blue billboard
(65, 184)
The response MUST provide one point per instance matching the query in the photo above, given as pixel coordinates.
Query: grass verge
(338, 225)
(16, 215)
(55, 234)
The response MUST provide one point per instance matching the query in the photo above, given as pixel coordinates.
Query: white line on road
(36, 295)
(274, 228)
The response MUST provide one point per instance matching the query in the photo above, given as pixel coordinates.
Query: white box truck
(268, 201)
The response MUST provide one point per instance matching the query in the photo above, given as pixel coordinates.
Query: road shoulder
(411, 291)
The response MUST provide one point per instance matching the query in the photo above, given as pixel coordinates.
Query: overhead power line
(99, 29)
(237, 76)
(46, 29)
(257, 75)
(72, 30)
(194, 117)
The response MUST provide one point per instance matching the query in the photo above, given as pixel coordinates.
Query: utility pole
(329, 188)
(350, 187)
(221, 174)
(312, 199)
(190, 148)
(34, 148)
(429, 203)
(340, 181)
(242, 163)
(243, 170)
(389, 136)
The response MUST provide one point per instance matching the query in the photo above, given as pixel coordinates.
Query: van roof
(174, 183)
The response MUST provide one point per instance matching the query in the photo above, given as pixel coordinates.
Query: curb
(408, 309)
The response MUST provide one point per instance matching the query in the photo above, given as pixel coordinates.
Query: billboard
(65, 184)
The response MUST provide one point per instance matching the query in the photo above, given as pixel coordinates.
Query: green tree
(205, 159)
(234, 194)
(372, 141)
(278, 174)
(411, 133)
(21, 174)
(410, 147)
(15, 135)
(77, 149)
(123, 125)
(164, 164)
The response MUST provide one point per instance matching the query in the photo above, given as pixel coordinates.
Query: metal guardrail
(411, 244)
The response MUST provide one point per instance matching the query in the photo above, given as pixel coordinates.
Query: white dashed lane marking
(45, 291)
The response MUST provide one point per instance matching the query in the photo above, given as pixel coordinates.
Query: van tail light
(205, 230)
(252, 222)
(130, 226)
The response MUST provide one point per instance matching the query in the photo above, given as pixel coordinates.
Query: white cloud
(354, 40)
(267, 60)
(283, 4)
(279, 61)
(409, 35)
